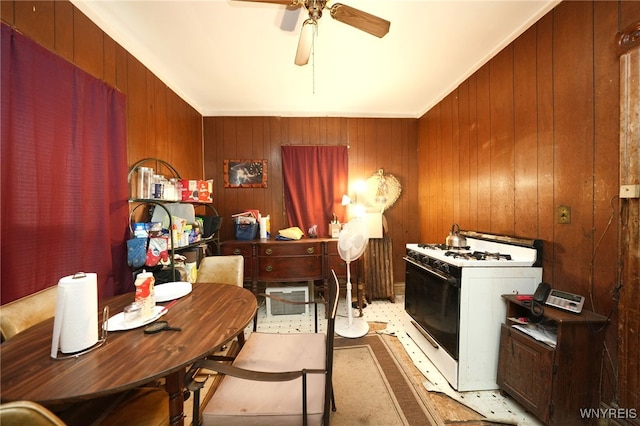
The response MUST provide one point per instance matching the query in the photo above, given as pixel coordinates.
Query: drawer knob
(268, 251)
(269, 268)
(310, 250)
(236, 251)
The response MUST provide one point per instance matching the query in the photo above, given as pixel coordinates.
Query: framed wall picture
(245, 173)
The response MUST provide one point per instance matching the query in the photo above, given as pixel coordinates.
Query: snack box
(197, 190)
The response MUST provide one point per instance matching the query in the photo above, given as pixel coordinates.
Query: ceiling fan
(346, 14)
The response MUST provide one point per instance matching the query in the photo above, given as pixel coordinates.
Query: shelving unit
(149, 204)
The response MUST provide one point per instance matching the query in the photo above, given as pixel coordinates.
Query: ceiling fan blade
(361, 20)
(306, 42)
(288, 3)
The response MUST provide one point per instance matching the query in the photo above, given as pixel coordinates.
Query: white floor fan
(352, 242)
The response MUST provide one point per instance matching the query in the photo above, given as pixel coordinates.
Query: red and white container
(145, 294)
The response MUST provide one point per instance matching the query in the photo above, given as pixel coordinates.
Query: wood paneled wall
(390, 144)
(159, 123)
(535, 128)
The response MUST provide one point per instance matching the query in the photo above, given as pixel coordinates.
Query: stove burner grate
(442, 247)
(458, 254)
(477, 255)
(497, 256)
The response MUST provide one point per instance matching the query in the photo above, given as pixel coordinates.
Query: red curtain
(315, 179)
(64, 167)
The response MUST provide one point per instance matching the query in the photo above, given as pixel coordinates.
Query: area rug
(371, 388)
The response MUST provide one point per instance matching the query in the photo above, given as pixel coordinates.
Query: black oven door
(432, 299)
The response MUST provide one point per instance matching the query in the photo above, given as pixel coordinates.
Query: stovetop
(482, 250)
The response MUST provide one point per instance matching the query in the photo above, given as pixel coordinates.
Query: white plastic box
(296, 294)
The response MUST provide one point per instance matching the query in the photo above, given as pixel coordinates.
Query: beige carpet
(372, 388)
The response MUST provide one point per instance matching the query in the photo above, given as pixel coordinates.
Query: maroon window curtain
(64, 173)
(315, 178)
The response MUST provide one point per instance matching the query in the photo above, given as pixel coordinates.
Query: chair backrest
(27, 311)
(21, 413)
(332, 309)
(334, 297)
(221, 269)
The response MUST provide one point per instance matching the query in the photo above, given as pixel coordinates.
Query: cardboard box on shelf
(196, 190)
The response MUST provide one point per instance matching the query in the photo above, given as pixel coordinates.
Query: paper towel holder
(101, 341)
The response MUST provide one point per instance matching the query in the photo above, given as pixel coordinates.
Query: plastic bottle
(263, 228)
(145, 294)
(145, 175)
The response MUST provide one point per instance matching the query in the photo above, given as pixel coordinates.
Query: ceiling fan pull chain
(313, 59)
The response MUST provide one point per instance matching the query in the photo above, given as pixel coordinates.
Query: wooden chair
(20, 413)
(276, 379)
(27, 311)
(225, 270)
(222, 269)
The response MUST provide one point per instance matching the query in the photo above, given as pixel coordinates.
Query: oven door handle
(448, 278)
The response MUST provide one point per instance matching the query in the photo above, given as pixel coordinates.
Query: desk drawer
(340, 266)
(244, 249)
(291, 269)
(332, 247)
(290, 249)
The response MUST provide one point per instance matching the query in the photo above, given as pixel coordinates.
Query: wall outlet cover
(630, 191)
(564, 214)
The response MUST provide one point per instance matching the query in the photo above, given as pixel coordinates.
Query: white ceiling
(228, 57)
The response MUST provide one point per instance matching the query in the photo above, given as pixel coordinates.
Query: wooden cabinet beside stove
(552, 383)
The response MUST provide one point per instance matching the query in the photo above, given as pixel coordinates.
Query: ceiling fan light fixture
(305, 43)
(346, 14)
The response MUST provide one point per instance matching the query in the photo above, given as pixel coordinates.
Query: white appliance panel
(482, 311)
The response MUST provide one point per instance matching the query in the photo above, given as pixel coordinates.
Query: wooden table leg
(174, 385)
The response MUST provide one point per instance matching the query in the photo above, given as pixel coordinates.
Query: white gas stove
(453, 301)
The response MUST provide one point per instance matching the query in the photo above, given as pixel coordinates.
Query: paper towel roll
(263, 227)
(75, 326)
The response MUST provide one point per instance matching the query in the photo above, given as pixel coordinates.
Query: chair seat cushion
(243, 402)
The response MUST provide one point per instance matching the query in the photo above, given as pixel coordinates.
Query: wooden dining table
(210, 316)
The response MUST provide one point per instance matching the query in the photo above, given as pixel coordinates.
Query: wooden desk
(307, 259)
(211, 315)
